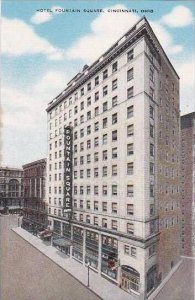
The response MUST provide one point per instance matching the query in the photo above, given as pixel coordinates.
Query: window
(104, 171)
(96, 142)
(151, 150)
(152, 93)
(114, 190)
(76, 96)
(89, 86)
(88, 129)
(88, 190)
(82, 119)
(152, 250)
(105, 106)
(151, 168)
(126, 249)
(81, 190)
(114, 84)
(151, 190)
(130, 149)
(114, 135)
(75, 135)
(133, 251)
(76, 109)
(130, 209)
(96, 96)
(82, 105)
(129, 112)
(75, 122)
(81, 204)
(130, 168)
(96, 172)
(105, 155)
(114, 118)
(114, 208)
(88, 204)
(82, 91)
(81, 217)
(82, 132)
(96, 126)
(96, 157)
(88, 115)
(95, 221)
(95, 205)
(114, 152)
(130, 74)
(75, 174)
(96, 111)
(114, 225)
(130, 228)
(104, 223)
(151, 112)
(75, 190)
(151, 131)
(130, 93)
(88, 144)
(88, 173)
(114, 170)
(104, 190)
(81, 146)
(87, 218)
(114, 67)
(130, 130)
(105, 123)
(88, 101)
(75, 148)
(96, 190)
(97, 80)
(104, 206)
(105, 90)
(151, 74)
(129, 190)
(104, 139)
(114, 101)
(130, 55)
(105, 74)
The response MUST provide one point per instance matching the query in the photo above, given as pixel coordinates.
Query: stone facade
(114, 108)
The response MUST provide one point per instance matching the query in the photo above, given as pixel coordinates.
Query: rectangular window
(104, 190)
(114, 118)
(105, 123)
(114, 225)
(95, 205)
(104, 223)
(82, 91)
(104, 171)
(96, 112)
(114, 170)
(96, 172)
(130, 93)
(152, 93)
(88, 144)
(130, 228)
(151, 168)
(130, 209)
(130, 55)
(130, 168)
(105, 139)
(88, 115)
(126, 249)
(130, 130)
(130, 149)
(88, 204)
(89, 86)
(151, 112)
(151, 131)
(88, 191)
(82, 105)
(133, 251)
(88, 101)
(114, 208)
(88, 129)
(152, 150)
(105, 106)
(105, 74)
(82, 133)
(114, 101)
(114, 152)
(96, 126)
(95, 221)
(130, 190)
(104, 206)
(97, 80)
(96, 142)
(96, 157)
(105, 155)
(130, 112)
(130, 74)
(81, 146)
(114, 135)
(114, 190)
(105, 90)
(151, 75)
(151, 190)
(82, 119)
(114, 67)
(114, 84)
(96, 190)
(96, 96)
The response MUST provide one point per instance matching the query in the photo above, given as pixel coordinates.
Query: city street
(27, 274)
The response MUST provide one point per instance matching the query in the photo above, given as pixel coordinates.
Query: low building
(11, 190)
(35, 210)
(188, 184)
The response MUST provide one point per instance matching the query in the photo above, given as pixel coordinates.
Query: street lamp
(88, 266)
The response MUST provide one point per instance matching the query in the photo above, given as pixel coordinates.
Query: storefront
(62, 245)
(130, 279)
(109, 252)
(77, 249)
(92, 244)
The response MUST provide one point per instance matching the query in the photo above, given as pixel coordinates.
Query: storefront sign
(67, 169)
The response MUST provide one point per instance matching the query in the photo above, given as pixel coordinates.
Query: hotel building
(188, 184)
(113, 137)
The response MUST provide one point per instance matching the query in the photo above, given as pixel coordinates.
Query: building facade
(188, 184)
(35, 207)
(11, 190)
(113, 163)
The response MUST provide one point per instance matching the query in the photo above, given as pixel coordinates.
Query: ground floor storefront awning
(62, 243)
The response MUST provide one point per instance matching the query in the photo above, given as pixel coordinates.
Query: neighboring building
(35, 208)
(11, 190)
(188, 184)
(123, 118)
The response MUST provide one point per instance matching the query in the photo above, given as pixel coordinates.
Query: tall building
(188, 184)
(113, 163)
(35, 207)
(11, 190)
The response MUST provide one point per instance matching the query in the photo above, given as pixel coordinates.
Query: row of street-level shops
(100, 251)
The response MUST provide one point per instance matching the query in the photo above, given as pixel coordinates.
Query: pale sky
(41, 52)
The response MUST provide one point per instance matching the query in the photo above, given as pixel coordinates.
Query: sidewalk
(100, 286)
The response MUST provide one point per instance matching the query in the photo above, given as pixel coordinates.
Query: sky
(42, 51)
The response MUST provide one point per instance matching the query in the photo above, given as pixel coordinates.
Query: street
(27, 274)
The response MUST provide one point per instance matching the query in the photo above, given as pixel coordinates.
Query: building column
(84, 245)
(99, 254)
(71, 236)
(61, 228)
(35, 194)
